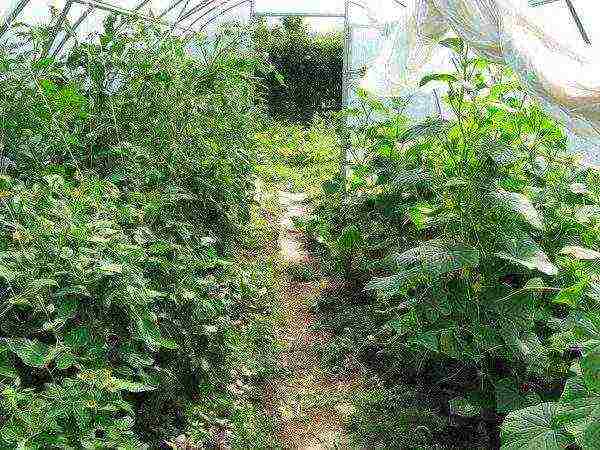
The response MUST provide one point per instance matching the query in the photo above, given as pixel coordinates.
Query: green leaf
(430, 260)
(429, 127)
(455, 44)
(462, 407)
(136, 359)
(587, 324)
(331, 187)
(580, 252)
(534, 283)
(6, 368)
(428, 340)
(523, 251)
(444, 77)
(394, 284)
(593, 291)
(575, 388)
(590, 364)
(110, 268)
(577, 415)
(150, 333)
(586, 214)
(591, 436)
(131, 386)
(418, 215)
(6, 274)
(519, 204)
(65, 360)
(509, 398)
(77, 337)
(572, 295)
(66, 308)
(350, 238)
(533, 428)
(406, 323)
(72, 291)
(448, 343)
(406, 179)
(439, 256)
(32, 352)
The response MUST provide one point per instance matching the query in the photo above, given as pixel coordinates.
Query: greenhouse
(317, 224)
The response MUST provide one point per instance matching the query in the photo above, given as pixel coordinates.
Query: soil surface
(310, 404)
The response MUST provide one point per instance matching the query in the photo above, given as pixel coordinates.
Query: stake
(575, 16)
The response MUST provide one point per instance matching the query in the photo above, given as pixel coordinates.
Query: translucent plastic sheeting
(85, 17)
(378, 56)
(542, 44)
(304, 7)
(375, 12)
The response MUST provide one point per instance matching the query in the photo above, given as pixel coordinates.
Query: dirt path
(309, 404)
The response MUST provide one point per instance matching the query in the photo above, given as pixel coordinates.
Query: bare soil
(309, 404)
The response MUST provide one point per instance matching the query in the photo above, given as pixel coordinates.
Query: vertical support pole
(577, 20)
(57, 27)
(346, 71)
(13, 11)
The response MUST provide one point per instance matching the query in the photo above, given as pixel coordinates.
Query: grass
(299, 158)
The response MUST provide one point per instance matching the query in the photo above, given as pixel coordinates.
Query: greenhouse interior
(284, 224)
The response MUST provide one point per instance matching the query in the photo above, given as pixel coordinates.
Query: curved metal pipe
(78, 22)
(12, 14)
(223, 4)
(208, 22)
(205, 4)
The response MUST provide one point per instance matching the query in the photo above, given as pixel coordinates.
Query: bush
(130, 176)
(298, 155)
(479, 235)
(309, 78)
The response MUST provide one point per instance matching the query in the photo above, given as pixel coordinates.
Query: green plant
(83, 412)
(309, 70)
(298, 156)
(121, 215)
(479, 234)
(396, 417)
(300, 271)
(575, 418)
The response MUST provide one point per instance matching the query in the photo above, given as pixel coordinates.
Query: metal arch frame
(223, 7)
(574, 15)
(207, 11)
(12, 14)
(205, 6)
(210, 10)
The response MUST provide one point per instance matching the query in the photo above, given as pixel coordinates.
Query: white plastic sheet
(542, 45)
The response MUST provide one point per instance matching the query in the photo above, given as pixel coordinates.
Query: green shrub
(480, 236)
(301, 157)
(132, 179)
(308, 81)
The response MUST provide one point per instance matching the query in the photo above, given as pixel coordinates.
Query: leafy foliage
(478, 241)
(308, 81)
(131, 181)
(298, 156)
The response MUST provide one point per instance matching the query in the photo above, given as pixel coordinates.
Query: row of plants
(126, 316)
(469, 244)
